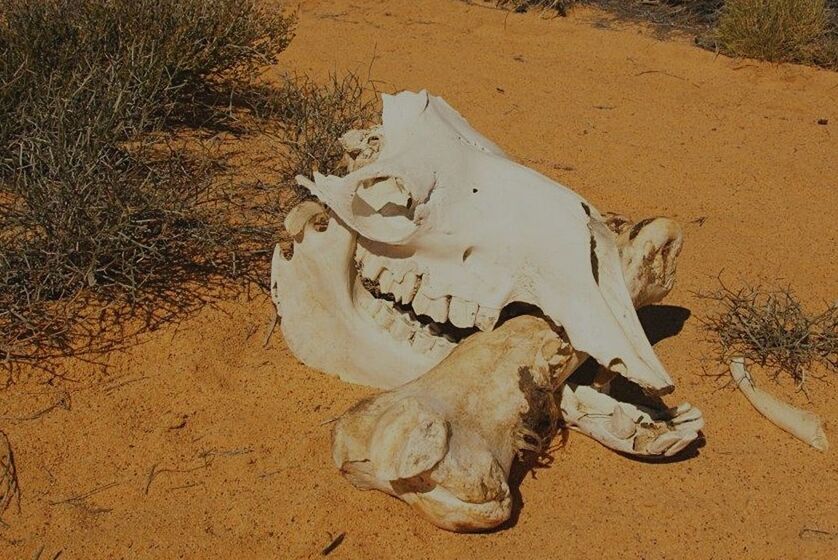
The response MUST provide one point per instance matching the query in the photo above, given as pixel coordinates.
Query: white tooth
(621, 423)
(486, 318)
(401, 329)
(408, 287)
(360, 253)
(400, 267)
(374, 307)
(363, 298)
(462, 313)
(438, 309)
(384, 317)
(372, 267)
(421, 303)
(423, 341)
(397, 290)
(441, 348)
(385, 281)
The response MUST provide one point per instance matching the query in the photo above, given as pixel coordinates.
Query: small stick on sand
(802, 424)
(271, 328)
(335, 542)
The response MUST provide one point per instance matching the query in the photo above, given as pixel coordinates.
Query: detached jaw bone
(445, 443)
(433, 233)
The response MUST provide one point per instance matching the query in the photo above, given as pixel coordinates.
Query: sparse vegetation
(803, 31)
(108, 196)
(771, 328)
(315, 116)
(779, 30)
(560, 6)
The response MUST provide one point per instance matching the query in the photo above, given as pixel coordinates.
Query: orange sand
(637, 125)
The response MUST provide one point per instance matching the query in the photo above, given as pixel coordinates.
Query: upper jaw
(381, 340)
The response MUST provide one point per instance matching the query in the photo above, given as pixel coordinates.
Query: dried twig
(9, 487)
(80, 501)
(771, 328)
(270, 331)
(333, 544)
(155, 472)
(64, 402)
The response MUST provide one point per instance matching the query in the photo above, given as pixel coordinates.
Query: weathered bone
(445, 443)
(480, 231)
(648, 251)
(627, 428)
(361, 147)
(383, 192)
(437, 216)
(802, 424)
(299, 216)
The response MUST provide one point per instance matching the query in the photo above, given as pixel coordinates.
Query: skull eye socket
(386, 196)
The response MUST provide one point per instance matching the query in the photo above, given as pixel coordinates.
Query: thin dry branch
(771, 328)
(9, 487)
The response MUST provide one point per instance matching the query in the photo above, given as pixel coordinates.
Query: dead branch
(771, 328)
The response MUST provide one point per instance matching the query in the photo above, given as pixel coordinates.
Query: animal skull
(434, 236)
(447, 232)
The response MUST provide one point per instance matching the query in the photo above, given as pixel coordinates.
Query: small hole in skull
(467, 253)
(474, 191)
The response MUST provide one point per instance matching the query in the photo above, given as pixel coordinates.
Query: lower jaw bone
(445, 442)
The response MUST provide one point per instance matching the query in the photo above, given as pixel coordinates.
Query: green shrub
(94, 196)
(779, 30)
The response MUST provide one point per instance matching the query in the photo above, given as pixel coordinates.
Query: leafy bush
(779, 31)
(93, 198)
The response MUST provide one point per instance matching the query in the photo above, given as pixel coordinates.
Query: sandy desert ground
(197, 442)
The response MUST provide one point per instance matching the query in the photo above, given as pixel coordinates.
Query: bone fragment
(802, 424)
(445, 442)
(300, 215)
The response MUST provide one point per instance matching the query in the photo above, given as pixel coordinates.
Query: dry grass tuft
(9, 488)
(560, 6)
(110, 203)
(779, 31)
(771, 328)
(96, 201)
(314, 117)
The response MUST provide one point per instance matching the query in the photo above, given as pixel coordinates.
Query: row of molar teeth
(405, 285)
(401, 326)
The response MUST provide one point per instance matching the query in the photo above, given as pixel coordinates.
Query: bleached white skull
(447, 232)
